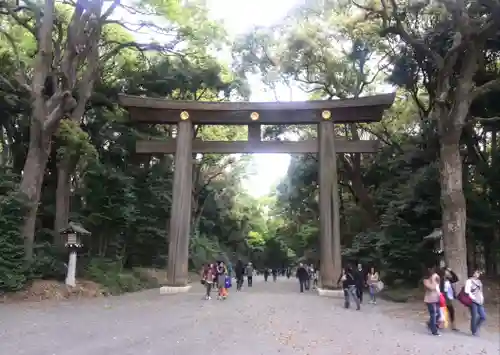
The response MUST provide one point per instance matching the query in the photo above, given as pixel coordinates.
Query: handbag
(464, 298)
(379, 286)
(228, 282)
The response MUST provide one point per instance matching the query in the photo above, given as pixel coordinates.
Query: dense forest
(67, 148)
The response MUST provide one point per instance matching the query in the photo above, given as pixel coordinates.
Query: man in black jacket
(239, 270)
(359, 278)
(302, 276)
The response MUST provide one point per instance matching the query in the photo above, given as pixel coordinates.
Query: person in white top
(474, 289)
(372, 280)
(447, 281)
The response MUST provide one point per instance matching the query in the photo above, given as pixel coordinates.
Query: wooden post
(180, 215)
(327, 158)
(254, 133)
(337, 252)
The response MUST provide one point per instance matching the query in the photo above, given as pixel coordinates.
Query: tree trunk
(453, 204)
(63, 193)
(31, 182)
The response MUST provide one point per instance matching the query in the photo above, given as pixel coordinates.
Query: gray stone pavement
(271, 318)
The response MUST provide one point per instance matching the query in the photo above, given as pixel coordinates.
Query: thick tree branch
(485, 88)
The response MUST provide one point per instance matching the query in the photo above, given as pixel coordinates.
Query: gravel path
(268, 319)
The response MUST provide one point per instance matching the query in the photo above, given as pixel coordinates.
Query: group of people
(305, 274)
(354, 281)
(218, 276)
(241, 270)
(440, 296)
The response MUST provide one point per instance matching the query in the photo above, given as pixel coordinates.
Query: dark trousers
(208, 288)
(307, 283)
(239, 282)
(249, 281)
(359, 293)
(451, 311)
(265, 277)
(302, 285)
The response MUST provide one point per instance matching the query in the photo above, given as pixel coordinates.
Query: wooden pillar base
(180, 214)
(172, 290)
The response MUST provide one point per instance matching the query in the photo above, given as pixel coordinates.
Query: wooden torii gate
(186, 114)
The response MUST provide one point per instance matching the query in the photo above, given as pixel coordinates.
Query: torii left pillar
(180, 214)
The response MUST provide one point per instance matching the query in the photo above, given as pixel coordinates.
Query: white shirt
(474, 288)
(448, 289)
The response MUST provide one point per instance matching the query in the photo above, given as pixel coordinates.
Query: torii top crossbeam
(163, 111)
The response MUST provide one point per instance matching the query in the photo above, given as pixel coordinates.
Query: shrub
(49, 262)
(111, 275)
(14, 274)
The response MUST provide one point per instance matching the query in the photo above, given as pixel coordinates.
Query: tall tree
(467, 26)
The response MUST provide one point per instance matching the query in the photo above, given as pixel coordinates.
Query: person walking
(221, 281)
(215, 273)
(302, 275)
(359, 277)
(313, 275)
(266, 274)
(474, 289)
(207, 279)
(274, 271)
(446, 285)
(431, 299)
(372, 280)
(249, 272)
(349, 286)
(239, 271)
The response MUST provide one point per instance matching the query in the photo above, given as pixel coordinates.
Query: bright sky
(240, 16)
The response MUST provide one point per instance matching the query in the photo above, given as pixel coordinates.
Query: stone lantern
(73, 235)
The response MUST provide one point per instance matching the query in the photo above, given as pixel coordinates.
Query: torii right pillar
(330, 253)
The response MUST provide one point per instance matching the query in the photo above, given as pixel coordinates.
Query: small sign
(72, 239)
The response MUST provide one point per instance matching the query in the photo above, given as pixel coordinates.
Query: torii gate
(186, 114)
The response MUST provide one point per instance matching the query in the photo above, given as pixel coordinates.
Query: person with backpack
(474, 289)
(349, 287)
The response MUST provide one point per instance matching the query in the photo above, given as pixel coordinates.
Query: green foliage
(389, 201)
(112, 276)
(14, 273)
(49, 262)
